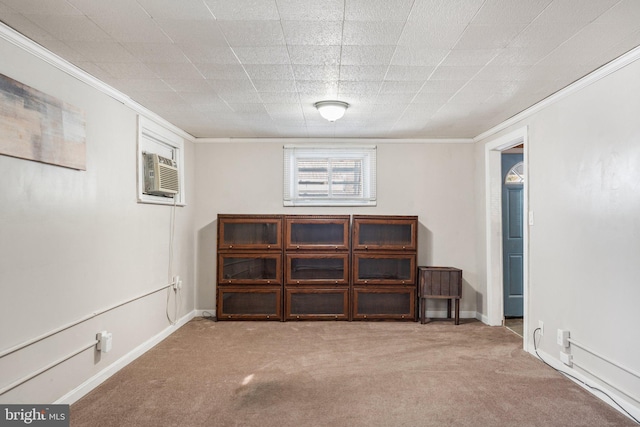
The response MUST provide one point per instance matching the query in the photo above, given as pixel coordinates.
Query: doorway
(512, 169)
(495, 308)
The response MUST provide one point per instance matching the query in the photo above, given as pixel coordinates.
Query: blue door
(512, 233)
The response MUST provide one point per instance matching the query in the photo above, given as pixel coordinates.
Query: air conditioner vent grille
(160, 176)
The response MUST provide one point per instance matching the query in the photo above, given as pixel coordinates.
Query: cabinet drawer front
(317, 233)
(317, 304)
(312, 269)
(384, 269)
(391, 233)
(251, 269)
(384, 303)
(245, 303)
(239, 233)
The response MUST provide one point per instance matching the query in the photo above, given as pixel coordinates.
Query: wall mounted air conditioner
(160, 176)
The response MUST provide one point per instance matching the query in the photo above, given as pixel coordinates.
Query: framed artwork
(39, 127)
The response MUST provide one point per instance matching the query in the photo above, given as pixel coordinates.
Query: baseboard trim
(586, 383)
(93, 382)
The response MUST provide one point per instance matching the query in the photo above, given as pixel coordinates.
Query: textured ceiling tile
(545, 35)
(283, 108)
(435, 35)
(314, 55)
(252, 33)
(521, 55)
(430, 98)
(316, 72)
(467, 57)
(312, 86)
(454, 12)
(401, 87)
(488, 36)
(171, 70)
(248, 108)
(311, 10)
(188, 85)
(455, 73)
(64, 51)
(270, 72)
(49, 7)
(366, 55)
(372, 33)
(279, 98)
(102, 51)
(377, 10)
(228, 86)
(442, 86)
(418, 56)
(70, 27)
(199, 97)
(625, 13)
(156, 52)
(127, 70)
(102, 8)
(28, 28)
(142, 85)
(222, 71)
(251, 10)
(362, 72)
(131, 28)
(345, 87)
(187, 31)
(275, 85)
(184, 9)
(394, 98)
(235, 97)
(262, 55)
(312, 32)
(509, 11)
(573, 11)
(503, 73)
(202, 53)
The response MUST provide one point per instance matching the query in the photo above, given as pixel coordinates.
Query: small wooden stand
(440, 283)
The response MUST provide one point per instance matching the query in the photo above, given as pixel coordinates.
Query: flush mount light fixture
(331, 110)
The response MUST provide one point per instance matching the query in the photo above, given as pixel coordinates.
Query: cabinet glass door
(253, 269)
(384, 234)
(258, 303)
(381, 269)
(384, 303)
(309, 269)
(317, 233)
(249, 233)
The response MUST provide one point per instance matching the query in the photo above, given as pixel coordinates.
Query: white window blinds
(330, 176)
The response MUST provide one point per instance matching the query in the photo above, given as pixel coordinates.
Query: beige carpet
(340, 374)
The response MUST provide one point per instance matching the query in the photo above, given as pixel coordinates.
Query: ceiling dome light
(331, 110)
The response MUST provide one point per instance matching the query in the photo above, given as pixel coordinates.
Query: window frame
(365, 153)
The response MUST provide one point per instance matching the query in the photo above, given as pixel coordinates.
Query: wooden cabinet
(440, 283)
(316, 267)
(249, 267)
(384, 267)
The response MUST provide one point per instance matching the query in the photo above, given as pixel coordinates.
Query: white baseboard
(438, 314)
(624, 401)
(93, 382)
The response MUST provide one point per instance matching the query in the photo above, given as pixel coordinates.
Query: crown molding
(600, 73)
(336, 139)
(12, 36)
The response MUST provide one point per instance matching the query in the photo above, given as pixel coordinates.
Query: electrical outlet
(563, 338)
(105, 340)
(541, 327)
(177, 283)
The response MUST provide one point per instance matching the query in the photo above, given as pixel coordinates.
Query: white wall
(76, 242)
(584, 250)
(433, 181)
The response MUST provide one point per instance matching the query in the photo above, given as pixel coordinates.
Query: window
(153, 138)
(515, 174)
(329, 176)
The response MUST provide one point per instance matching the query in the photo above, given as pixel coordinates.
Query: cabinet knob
(297, 282)
(298, 247)
(230, 246)
(228, 281)
(268, 316)
(336, 282)
(268, 246)
(365, 316)
(366, 247)
(404, 247)
(403, 282)
(297, 317)
(366, 281)
(268, 282)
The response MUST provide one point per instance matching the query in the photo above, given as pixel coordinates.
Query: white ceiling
(408, 68)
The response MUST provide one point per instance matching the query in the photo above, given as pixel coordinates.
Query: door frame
(493, 228)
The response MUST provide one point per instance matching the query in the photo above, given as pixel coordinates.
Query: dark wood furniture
(384, 267)
(316, 267)
(249, 267)
(441, 283)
